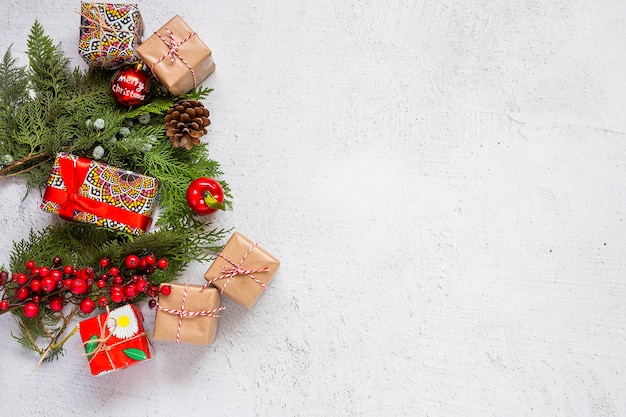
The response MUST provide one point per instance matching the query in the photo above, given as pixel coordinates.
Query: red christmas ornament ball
(130, 86)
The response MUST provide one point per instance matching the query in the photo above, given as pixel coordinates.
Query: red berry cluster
(55, 286)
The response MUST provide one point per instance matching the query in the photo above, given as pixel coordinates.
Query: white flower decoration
(122, 322)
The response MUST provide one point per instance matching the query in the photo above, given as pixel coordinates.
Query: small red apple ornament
(205, 196)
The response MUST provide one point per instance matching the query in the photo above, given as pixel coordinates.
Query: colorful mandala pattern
(120, 188)
(109, 34)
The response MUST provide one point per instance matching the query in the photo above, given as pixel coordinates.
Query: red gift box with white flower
(115, 340)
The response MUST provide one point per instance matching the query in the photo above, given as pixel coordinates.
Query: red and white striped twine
(231, 271)
(172, 52)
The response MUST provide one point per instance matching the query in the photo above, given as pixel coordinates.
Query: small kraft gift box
(109, 34)
(189, 314)
(115, 340)
(242, 270)
(177, 57)
(92, 192)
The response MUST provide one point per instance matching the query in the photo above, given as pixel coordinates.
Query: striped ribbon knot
(172, 52)
(229, 272)
(99, 22)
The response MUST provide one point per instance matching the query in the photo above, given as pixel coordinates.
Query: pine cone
(186, 122)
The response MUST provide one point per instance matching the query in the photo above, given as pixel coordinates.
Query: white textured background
(444, 184)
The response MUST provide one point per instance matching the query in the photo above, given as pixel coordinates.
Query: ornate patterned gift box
(115, 340)
(109, 34)
(92, 192)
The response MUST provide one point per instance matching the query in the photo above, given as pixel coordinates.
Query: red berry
(31, 310)
(4, 304)
(67, 283)
(153, 291)
(134, 278)
(87, 306)
(162, 263)
(48, 284)
(117, 297)
(56, 260)
(35, 271)
(56, 275)
(130, 291)
(114, 271)
(142, 264)
(68, 269)
(132, 261)
(35, 285)
(36, 299)
(86, 273)
(150, 260)
(150, 271)
(116, 288)
(30, 264)
(79, 286)
(101, 283)
(152, 303)
(44, 271)
(4, 275)
(142, 285)
(104, 262)
(21, 279)
(56, 304)
(166, 290)
(103, 301)
(22, 294)
(118, 279)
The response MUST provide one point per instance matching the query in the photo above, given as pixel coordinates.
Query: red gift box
(115, 340)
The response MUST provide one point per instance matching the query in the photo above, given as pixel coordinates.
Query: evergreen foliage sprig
(46, 108)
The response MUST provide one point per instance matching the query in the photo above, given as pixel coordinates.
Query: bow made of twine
(229, 272)
(183, 313)
(172, 52)
(102, 340)
(98, 21)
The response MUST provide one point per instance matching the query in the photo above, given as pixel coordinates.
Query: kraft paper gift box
(109, 34)
(242, 270)
(115, 340)
(189, 314)
(92, 192)
(177, 56)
